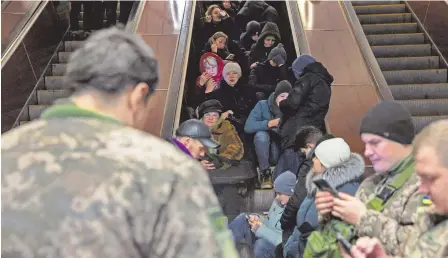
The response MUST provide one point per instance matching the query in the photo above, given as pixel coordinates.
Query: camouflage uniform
(87, 186)
(393, 224)
(429, 238)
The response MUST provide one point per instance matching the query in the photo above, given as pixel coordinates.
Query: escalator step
(421, 122)
(63, 57)
(389, 28)
(426, 107)
(54, 82)
(81, 24)
(385, 18)
(23, 122)
(416, 76)
(408, 63)
(71, 45)
(58, 69)
(396, 39)
(377, 9)
(402, 50)
(36, 110)
(419, 91)
(47, 97)
(357, 3)
(262, 200)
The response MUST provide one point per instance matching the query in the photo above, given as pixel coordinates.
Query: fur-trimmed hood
(350, 171)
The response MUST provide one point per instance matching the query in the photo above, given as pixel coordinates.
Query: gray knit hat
(278, 55)
(285, 183)
(282, 87)
(389, 119)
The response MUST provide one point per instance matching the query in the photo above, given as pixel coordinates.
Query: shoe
(266, 179)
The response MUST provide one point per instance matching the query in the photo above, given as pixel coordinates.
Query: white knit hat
(231, 67)
(333, 152)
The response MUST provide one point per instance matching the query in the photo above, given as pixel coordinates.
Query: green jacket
(79, 184)
(392, 225)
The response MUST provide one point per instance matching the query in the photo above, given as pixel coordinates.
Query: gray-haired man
(83, 182)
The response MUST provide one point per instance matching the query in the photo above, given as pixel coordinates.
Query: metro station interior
(375, 50)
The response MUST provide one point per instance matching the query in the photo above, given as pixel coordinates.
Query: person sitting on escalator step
(250, 37)
(307, 104)
(269, 38)
(231, 148)
(218, 20)
(263, 121)
(264, 234)
(264, 77)
(195, 139)
(234, 95)
(259, 11)
(217, 44)
(211, 67)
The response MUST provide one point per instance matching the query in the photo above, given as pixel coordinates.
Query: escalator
(411, 64)
(52, 87)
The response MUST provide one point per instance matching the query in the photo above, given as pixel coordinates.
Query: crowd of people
(85, 181)
(245, 90)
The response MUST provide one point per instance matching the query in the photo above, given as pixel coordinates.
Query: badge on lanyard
(426, 200)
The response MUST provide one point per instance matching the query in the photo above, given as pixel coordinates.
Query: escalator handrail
(298, 32)
(380, 84)
(135, 16)
(422, 28)
(21, 30)
(171, 115)
(5, 4)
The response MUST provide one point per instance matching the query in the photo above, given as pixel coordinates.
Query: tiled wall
(24, 69)
(159, 28)
(434, 16)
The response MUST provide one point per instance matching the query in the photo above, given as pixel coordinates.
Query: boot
(266, 179)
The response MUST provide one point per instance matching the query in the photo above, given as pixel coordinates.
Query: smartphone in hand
(323, 185)
(344, 242)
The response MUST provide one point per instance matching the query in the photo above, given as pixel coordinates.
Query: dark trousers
(125, 10)
(289, 161)
(111, 12)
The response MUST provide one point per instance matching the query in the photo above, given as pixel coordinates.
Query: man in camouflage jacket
(429, 237)
(81, 182)
(387, 132)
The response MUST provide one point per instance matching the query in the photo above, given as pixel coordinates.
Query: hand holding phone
(323, 185)
(344, 242)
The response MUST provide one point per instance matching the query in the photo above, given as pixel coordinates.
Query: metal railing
(375, 73)
(427, 35)
(22, 28)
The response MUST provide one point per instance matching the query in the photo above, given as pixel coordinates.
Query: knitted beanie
(389, 119)
(285, 183)
(282, 87)
(232, 67)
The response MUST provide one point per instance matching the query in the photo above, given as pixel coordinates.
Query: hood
(319, 69)
(253, 8)
(220, 62)
(350, 171)
(253, 27)
(300, 63)
(269, 29)
(273, 107)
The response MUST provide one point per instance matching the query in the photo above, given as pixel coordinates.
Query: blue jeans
(291, 248)
(241, 232)
(289, 160)
(267, 149)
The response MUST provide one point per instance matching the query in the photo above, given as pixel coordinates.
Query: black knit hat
(282, 87)
(211, 105)
(390, 120)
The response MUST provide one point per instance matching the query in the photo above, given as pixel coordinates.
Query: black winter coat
(239, 98)
(226, 25)
(258, 52)
(258, 11)
(264, 77)
(289, 216)
(307, 103)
